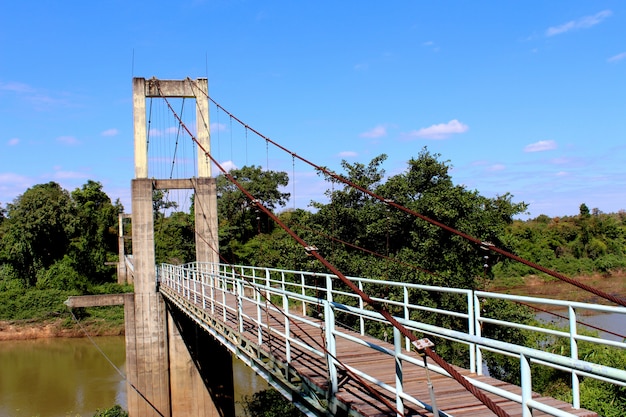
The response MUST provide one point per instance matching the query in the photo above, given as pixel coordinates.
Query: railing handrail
(273, 281)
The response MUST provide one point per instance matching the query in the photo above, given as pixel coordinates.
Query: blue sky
(521, 97)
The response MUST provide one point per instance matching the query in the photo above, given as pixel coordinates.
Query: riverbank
(101, 324)
(57, 327)
(549, 287)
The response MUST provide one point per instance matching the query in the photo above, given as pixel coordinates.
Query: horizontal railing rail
(305, 297)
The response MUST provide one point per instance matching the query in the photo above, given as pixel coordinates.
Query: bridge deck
(451, 397)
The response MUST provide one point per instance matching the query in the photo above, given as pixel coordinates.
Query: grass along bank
(38, 313)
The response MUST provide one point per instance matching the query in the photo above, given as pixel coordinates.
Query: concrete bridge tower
(164, 379)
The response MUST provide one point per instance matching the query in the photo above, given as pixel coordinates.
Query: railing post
(259, 321)
(212, 282)
(479, 355)
(239, 294)
(471, 328)
(204, 292)
(303, 292)
(268, 284)
(287, 329)
(397, 346)
(526, 384)
(407, 342)
(331, 354)
(574, 355)
(361, 306)
(329, 288)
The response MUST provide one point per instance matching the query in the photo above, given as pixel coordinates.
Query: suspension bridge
(310, 334)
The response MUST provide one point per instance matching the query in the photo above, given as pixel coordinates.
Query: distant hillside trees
(590, 242)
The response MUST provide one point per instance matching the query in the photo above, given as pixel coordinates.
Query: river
(63, 377)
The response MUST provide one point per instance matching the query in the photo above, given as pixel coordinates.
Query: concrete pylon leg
(145, 318)
(163, 376)
(205, 209)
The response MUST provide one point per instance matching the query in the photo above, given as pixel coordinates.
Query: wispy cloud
(69, 175)
(68, 140)
(16, 87)
(617, 57)
(40, 100)
(440, 131)
(377, 132)
(347, 154)
(496, 167)
(361, 67)
(582, 23)
(218, 127)
(431, 45)
(542, 145)
(110, 132)
(13, 141)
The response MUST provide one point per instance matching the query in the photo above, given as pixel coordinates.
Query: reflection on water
(69, 377)
(60, 377)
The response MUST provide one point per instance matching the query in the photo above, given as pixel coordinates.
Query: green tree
(174, 239)
(39, 228)
(95, 241)
(239, 218)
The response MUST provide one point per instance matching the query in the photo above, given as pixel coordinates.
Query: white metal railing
(302, 292)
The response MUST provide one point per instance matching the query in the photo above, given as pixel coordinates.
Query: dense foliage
(54, 244)
(591, 242)
(52, 239)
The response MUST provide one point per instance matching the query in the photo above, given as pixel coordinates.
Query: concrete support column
(147, 360)
(205, 208)
(121, 262)
(202, 127)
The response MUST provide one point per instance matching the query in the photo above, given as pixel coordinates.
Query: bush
(61, 276)
(115, 411)
(269, 403)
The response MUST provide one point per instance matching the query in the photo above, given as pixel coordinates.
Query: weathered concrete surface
(101, 300)
(164, 378)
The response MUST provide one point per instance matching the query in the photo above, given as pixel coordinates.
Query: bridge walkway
(262, 334)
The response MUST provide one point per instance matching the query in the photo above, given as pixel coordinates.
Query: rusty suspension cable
(491, 247)
(366, 298)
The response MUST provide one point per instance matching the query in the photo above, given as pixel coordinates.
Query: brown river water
(68, 377)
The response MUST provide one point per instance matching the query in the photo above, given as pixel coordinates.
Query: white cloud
(68, 140)
(581, 23)
(441, 130)
(227, 165)
(110, 132)
(13, 141)
(542, 145)
(617, 57)
(361, 67)
(377, 132)
(347, 154)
